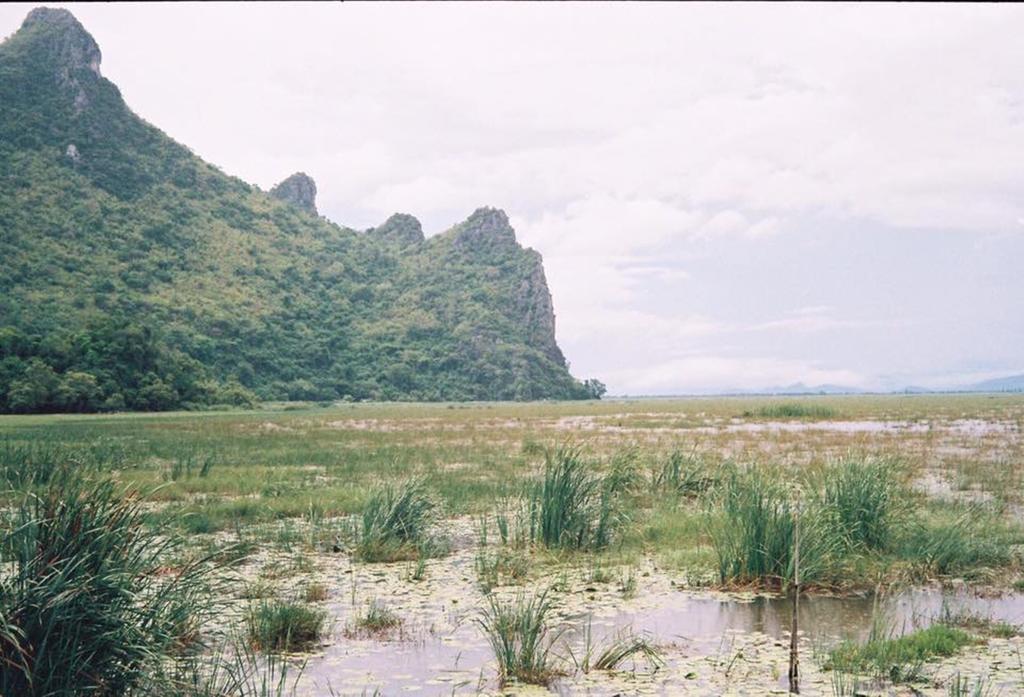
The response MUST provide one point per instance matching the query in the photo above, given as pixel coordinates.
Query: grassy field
(317, 523)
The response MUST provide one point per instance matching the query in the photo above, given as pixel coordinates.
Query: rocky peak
(401, 228)
(72, 47)
(487, 229)
(298, 190)
(63, 45)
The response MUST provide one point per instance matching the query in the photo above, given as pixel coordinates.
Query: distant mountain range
(1012, 383)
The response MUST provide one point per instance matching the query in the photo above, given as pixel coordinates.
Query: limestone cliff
(298, 190)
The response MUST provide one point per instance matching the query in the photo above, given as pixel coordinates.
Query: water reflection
(451, 656)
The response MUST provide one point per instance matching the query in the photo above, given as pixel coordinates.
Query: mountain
(136, 275)
(1011, 383)
(795, 389)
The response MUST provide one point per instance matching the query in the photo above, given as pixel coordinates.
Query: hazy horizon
(725, 197)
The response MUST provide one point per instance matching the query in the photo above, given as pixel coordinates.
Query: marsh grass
(377, 618)
(520, 638)
(866, 498)
(258, 589)
(899, 659)
(190, 462)
(39, 463)
(965, 687)
(752, 529)
(284, 626)
(397, 525)
(87, 605)
(573, 508)
(500, 566)
(628, 583)
(792, 410)
(615, 651)
(954, 540)
(628, 646)
(314, 592)
(977, 623)
(686, 474)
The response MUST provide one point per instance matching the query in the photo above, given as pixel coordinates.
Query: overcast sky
(725, 196)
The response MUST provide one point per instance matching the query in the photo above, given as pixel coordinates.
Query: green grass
(899, 659)
(628, 646)
(377, 618)
(752, 531)
(397, 525)
(965, 687)
(949, 539)
(571, 507)
(792, 410)
(520, 637)
(865, 496)
(284, 626)
(685, 474)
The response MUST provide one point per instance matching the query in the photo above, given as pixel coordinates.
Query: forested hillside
(133, 275)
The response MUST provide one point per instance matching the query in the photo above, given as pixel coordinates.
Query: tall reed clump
(572, 508)
(520, 637)
(866, 500)
(752, 531)
(85, 605)
(398, 523)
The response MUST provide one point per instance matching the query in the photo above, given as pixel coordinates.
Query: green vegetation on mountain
(137, 276)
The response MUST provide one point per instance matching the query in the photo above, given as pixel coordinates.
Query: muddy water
(445, 653)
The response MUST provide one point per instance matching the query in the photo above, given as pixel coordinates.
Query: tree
(595, 388)
(34, 390)
(156, 395)
(78, 392)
